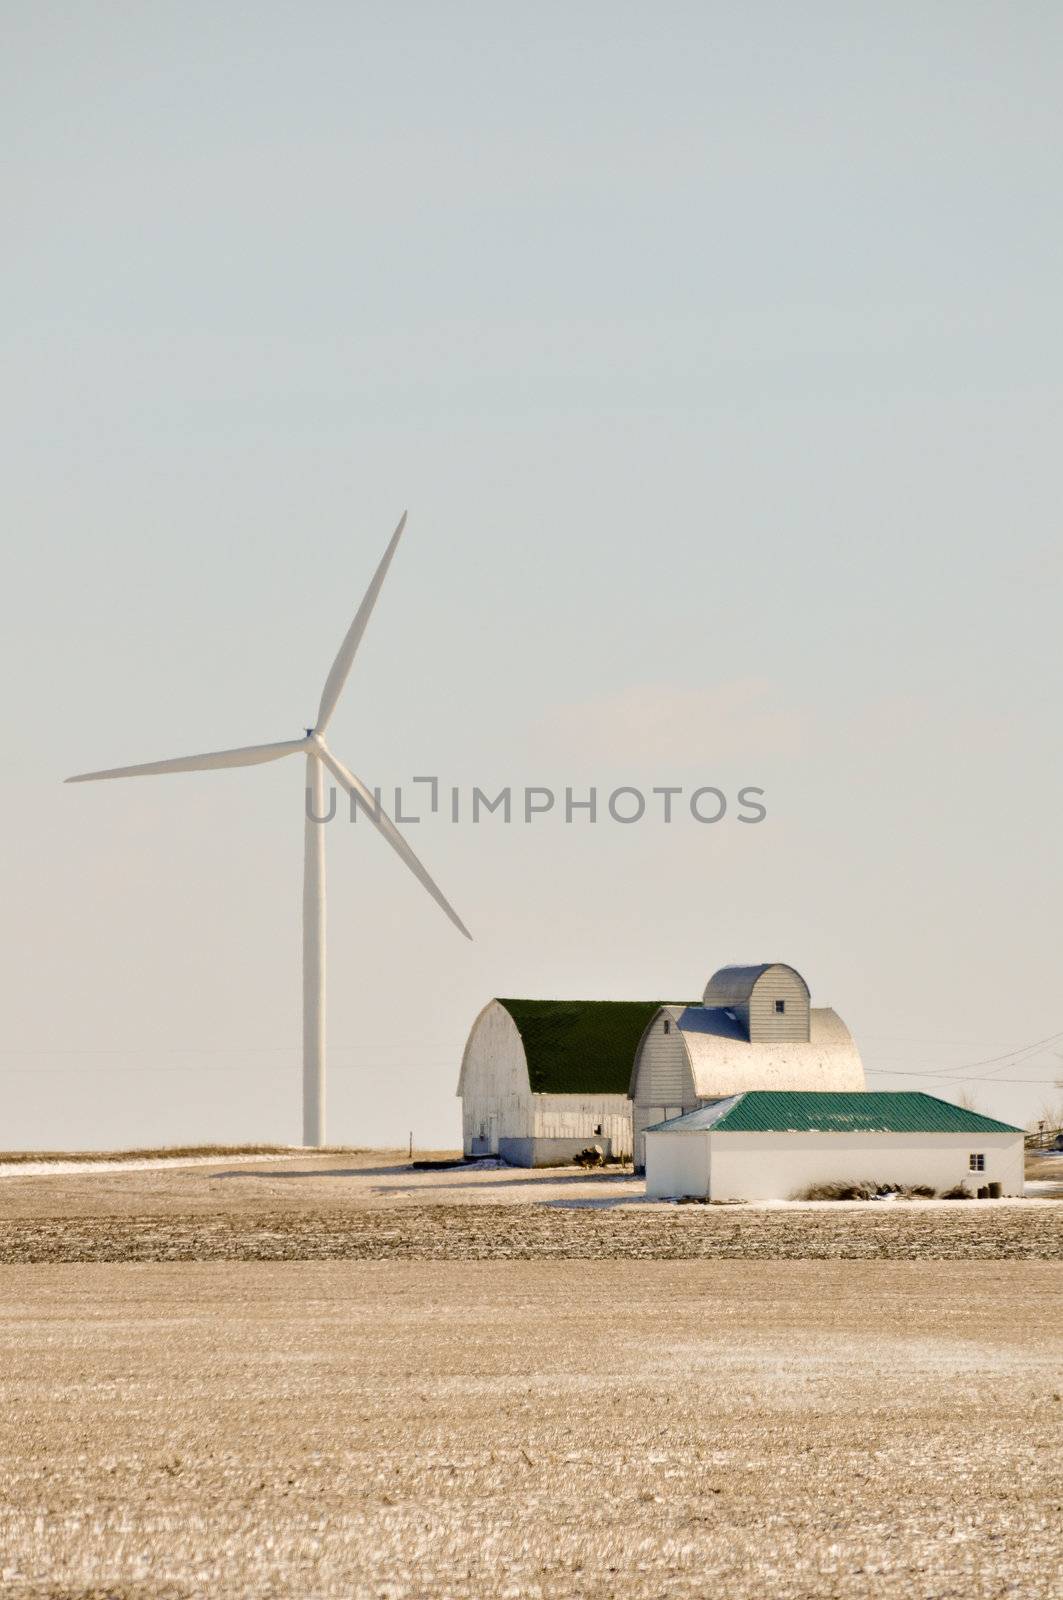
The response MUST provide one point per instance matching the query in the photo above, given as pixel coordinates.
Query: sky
(715, 352)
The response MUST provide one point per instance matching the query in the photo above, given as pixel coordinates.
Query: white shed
(755, 1029)
(774, 1145)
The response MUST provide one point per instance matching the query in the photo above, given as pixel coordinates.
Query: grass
(170, 1152)
(866, 1191)
(1042, 1164)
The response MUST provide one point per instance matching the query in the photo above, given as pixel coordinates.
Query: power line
(1010, 1056)
(244, 1066)
(193, 1050)
(335, 1066)
(889, 1072)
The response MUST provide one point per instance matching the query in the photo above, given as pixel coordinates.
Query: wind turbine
(318, 757)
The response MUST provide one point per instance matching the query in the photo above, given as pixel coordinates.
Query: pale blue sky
(715, 350)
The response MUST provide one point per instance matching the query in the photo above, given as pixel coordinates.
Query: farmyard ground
(819, 1404)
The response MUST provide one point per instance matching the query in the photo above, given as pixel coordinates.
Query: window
(780, 1007)
(667, 1026)
(598, 1129)
(976, 1163)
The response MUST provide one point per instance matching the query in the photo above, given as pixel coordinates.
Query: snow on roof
(724, 1061)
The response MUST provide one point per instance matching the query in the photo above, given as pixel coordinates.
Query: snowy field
(375, 1205)
(532, 1429)
(340, 1376)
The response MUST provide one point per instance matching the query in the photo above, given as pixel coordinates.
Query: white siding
(762, 1020)
(662, 1080)
(494, 1088)
(496, 1096)
(676, 1164)
(778, 1166)
(571, 1116)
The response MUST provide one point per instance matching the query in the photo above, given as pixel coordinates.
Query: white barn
(754, 1029)
(774, 1146)
(542, 1079)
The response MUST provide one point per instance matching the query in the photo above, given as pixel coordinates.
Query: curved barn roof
(580, 1046)
(724, 1061)
(732, 986)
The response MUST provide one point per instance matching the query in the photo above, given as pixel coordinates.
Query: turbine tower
(318, 758)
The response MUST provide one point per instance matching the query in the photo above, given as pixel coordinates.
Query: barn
(542, 1079)
(755, 1028)
(764, 1145)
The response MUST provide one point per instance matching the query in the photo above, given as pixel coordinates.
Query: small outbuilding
(774, 1145)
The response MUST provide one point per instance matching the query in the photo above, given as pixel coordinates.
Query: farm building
(542, 1079)
(754, 1029)
(763, 1145)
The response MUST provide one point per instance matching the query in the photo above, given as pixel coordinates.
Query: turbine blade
(342, 665)
(354, 786)
(250, 755)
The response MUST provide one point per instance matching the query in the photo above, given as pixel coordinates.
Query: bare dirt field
(763, 1431)
(339, 1377)
(375, 1206)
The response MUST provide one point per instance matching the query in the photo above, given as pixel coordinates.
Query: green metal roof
(580, 1046)
(821, 1111)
